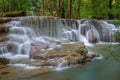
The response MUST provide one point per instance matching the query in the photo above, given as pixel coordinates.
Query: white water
(25, 30)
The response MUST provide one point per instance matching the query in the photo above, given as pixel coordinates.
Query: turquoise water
(106, 69)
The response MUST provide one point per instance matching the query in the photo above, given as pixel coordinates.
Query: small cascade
(19, 38)
(3, 49)
(61, 65)
(91, 31)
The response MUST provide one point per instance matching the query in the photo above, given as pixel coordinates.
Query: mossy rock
(4, 61)
(82, 51)
(14, 14)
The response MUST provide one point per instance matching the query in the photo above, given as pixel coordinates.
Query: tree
(78, 10)
(58, 8)
(49, 7)
(69, 9)
(62, 15)
(110, 16)
(42, 8)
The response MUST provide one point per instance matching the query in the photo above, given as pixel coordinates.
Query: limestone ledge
(66, 55)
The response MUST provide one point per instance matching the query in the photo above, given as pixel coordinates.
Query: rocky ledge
(61, 56)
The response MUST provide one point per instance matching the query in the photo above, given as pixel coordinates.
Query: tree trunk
(78, 10)
(62, 11)
(110, 16)
(49, 7)
(42, 11)
(58, 8)
(69, 9)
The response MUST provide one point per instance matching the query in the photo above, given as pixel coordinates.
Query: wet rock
(4, 29)
(93, 55)
(82, 50)
(36, 46)
(73, 54)
(103, 30)
(72, 60)
(5, 73)
(84, 29)
(4, 61)
(89, 58)
(3, 37)
(4, 20)
(93, 36)
(12, 47)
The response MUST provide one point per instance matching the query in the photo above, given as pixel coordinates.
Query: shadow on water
(105, 69)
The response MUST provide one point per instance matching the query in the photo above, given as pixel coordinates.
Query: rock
(36, 46)
(85, 28)
(82, 50)
(89, 57)
(103, 30)
(72, 60)
(4, 20)
(14, 14)
(93, 55)
(3, 37)
(4, 61)
(12, 47)
(93, 36)
(4, 29)
(66, 55)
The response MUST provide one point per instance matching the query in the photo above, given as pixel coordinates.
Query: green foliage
(116, 22)
(113, 51)
(88, 8)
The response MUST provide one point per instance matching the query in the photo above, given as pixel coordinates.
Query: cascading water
(25, 30)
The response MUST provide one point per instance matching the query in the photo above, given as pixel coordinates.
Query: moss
(82, 51)
(14, 14)
(4, 61)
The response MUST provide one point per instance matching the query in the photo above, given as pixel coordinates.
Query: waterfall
(27, 34)
(25, 29)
